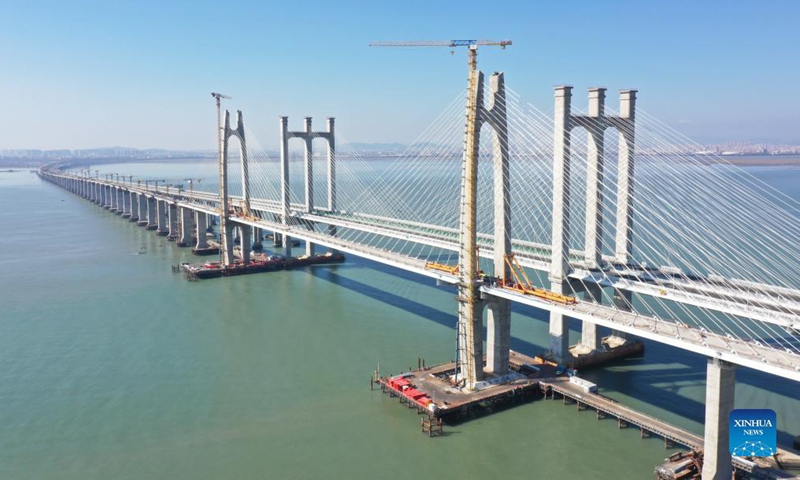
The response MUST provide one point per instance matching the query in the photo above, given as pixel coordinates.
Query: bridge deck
(759, 304)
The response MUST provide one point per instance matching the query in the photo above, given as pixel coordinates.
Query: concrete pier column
(308, 165)
(142, 202)
(126, 203)
(152, 215)
(332, 172)
(134, 199)
(258, 236)
(200, 220)
(624, 233)
(498, 341)
(277, 239)
(114, 198)
(498, 336)
(161, 216)
(120, 201)
(174, 222)
(720, 389)
(308, 177)
(284, 136)
(559, 267)
(594, 178)
(245, 234)
(187, 227)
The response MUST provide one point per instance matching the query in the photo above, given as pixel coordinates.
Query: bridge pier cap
(627, 103)
(597, 100)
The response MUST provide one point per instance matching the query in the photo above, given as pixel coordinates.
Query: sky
(85, 74)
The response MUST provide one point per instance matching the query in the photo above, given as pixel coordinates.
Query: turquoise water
(114, 367)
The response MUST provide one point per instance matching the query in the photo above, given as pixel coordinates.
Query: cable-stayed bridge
(595, 214)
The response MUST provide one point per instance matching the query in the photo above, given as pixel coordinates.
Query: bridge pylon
(595, 123)
(225, 224)
(307, 135)
(469, 349)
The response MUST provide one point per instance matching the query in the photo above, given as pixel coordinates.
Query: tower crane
(218, 97)
(472, 44)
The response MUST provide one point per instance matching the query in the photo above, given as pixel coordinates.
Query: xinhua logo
(754, 433)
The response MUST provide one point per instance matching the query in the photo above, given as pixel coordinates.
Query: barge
(262, 263)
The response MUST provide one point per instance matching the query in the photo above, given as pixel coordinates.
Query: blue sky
(83, 74)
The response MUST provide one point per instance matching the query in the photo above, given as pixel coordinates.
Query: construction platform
(681, 465)
(261, 263)
(432, 390)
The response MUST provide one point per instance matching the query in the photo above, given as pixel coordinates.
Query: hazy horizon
(91, 74)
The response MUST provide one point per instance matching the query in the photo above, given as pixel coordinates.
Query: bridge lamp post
(191, 185)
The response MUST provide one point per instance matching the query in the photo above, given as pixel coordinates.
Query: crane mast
(223, 182)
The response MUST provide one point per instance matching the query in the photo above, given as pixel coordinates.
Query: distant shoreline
(736, 160)
(751, 160)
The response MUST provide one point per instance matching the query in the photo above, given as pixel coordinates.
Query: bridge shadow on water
(660, 387)
(449, 320)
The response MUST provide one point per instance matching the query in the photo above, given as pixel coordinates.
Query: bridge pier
(277, 239)
(134, 214)
(142, 210)
(152, 215)
(245, 234)
(120, 201)
(126, 203)
(161, 215)
(174, 222)
(258, 236)
(113, 194)
(200, 220)
(720, 389)
(187, 227)
(498, 336)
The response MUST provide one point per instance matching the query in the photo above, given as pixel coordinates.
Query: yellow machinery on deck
(523, 284)
(441, 267)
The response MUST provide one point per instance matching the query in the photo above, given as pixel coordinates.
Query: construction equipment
(473, 51)
(523, 284)
(441, 267)
(191, 185)
(218, 98)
